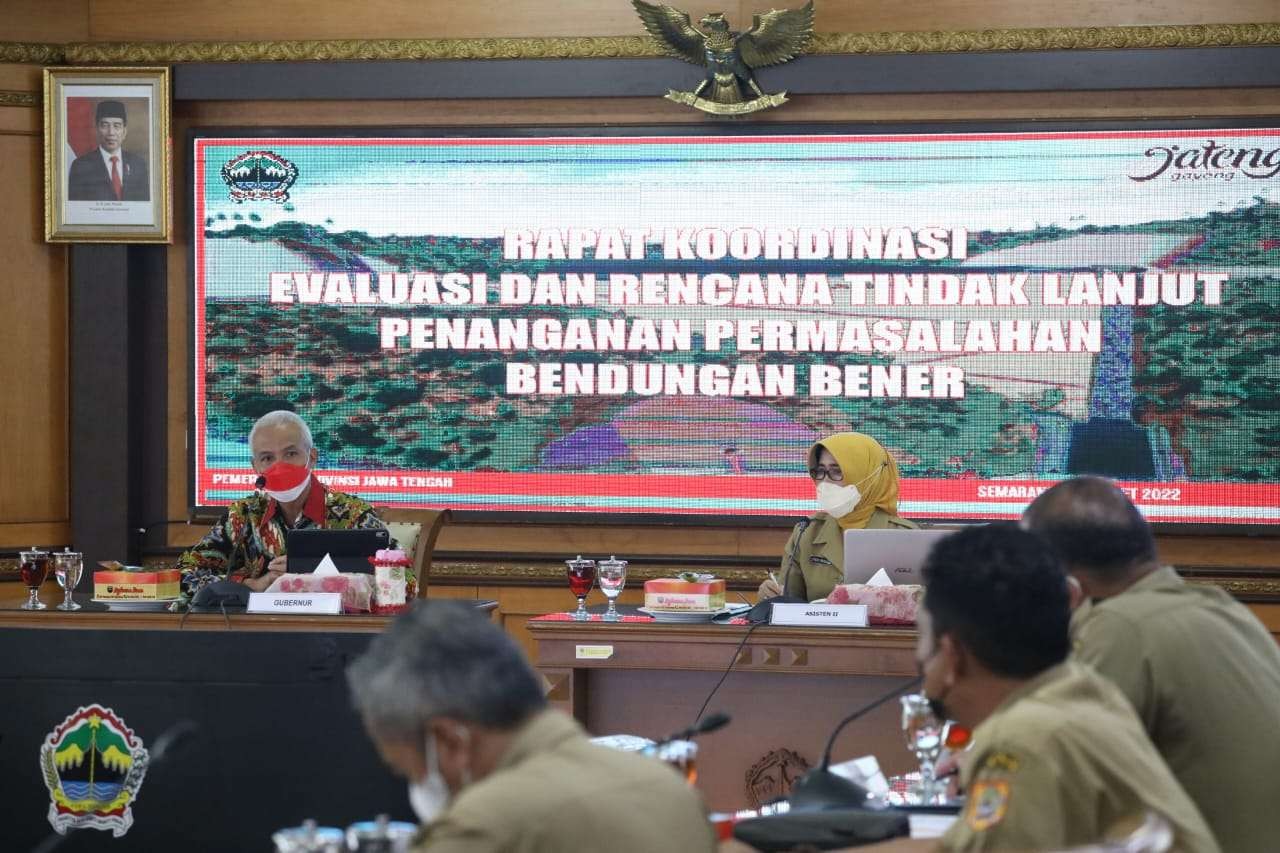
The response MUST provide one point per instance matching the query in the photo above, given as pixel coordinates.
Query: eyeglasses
(835, 475)
(832, 473)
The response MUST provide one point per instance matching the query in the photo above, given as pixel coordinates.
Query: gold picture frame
(107, 155)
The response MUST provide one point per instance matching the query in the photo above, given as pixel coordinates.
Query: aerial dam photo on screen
(1166, 377)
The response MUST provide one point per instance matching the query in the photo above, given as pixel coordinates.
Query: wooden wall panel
(163, 20)
(22, 122)
(1269, 615)
(978, 106)
(20, 78)
(44, 20)
(22, 81)
(840, 16)
(717, 541)
(33, 345)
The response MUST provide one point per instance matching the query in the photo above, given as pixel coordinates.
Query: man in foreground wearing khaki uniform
(454, 707)
(1058, 757)
(1201, 671)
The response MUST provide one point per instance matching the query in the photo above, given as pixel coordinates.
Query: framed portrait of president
(106, 155)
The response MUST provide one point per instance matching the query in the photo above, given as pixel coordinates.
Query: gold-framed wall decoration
(107, 155)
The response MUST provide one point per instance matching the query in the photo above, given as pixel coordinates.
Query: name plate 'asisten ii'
(820, 615)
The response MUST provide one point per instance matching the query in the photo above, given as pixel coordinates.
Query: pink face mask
(286, 482)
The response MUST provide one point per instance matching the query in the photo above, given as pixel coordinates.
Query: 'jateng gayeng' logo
(259, 175)
(1208, 162)
(93, 766)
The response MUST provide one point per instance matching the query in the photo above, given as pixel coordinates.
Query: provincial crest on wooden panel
(772, 777)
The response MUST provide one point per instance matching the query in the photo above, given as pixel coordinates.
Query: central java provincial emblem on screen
(93, 766)
(259, 176)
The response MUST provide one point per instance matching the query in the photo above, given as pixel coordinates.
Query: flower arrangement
(395, 586)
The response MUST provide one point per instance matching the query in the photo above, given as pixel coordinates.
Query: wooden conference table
(786, 691)
(277, 741)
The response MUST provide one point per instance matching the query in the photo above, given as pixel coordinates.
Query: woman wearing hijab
(857, 484)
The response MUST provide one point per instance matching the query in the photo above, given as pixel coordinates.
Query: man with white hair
(248, 543)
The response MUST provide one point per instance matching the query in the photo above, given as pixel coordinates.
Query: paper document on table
(880, 578)
(866, 772)
(326, 566)
(929, 825)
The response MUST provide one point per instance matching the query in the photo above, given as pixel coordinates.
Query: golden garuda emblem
(730, 87)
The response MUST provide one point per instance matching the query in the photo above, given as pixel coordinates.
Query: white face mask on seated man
(429, 796)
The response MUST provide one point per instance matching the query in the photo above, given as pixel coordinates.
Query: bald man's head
(1093, 526)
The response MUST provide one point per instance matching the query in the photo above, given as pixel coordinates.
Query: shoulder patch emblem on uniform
(988, 801)
(1001, 762)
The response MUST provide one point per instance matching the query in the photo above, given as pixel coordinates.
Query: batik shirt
(252, 534)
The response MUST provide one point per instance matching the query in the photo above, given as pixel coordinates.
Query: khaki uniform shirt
(556, 792)
(1060, 763)
(1204, 676)
(813, 561)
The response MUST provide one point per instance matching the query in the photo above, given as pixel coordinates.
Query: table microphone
(791, 555)
(260, 483)
(822, 790)
(709, 724)
(172, 741)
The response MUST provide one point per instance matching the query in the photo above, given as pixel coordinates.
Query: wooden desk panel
(649, 645)
(787, 690)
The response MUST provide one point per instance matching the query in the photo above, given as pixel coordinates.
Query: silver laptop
(901, 553)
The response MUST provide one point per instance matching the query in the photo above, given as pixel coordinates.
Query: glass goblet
(33, 565)
(924, 734)
(68, 566)
(582, 576)
(611, 574)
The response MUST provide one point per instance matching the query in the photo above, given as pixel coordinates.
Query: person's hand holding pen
(948, 770)
(770, 588)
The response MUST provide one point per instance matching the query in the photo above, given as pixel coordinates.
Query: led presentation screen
(663, 324)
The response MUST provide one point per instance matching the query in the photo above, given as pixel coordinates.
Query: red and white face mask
(286, 482)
